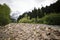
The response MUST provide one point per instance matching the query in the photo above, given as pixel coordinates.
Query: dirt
(25, 31)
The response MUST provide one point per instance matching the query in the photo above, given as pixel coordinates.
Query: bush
(25, 20)
(4, 15)
(53, 19)
(40, 21)
(4, 21)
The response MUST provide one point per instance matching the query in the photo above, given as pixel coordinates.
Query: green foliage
(43, 15)
(4, 21)
(23, 20)
(27, 20)
(4, 15)
(40, 21)
(53, 19)
(34, 14)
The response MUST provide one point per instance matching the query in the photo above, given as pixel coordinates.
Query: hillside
(25, 31)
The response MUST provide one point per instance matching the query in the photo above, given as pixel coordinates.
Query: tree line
(39, 13)
(53, 8)
(32, 16)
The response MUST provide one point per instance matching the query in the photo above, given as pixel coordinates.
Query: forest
(45, 15)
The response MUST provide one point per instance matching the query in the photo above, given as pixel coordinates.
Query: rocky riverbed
(25, 31)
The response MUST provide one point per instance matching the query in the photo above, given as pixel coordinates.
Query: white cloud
(6, 1)
(22, 5)
(26, 5)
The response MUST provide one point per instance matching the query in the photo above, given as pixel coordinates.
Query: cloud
(26, 5)
(6, 1)
(45, 2)
(39, 1)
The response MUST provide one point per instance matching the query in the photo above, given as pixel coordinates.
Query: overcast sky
(26, 5)
(21, 6)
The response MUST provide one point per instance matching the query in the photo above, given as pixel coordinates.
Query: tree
(4, 15)
(34, 13)
(40, 13)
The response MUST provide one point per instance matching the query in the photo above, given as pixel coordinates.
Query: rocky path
(25, 31)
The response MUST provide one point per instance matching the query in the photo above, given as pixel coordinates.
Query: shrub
(53, 19)
(4, 21)
(4, 15)
(25, 20)
(40, 21)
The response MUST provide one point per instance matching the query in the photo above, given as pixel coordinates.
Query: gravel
(25, 31)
